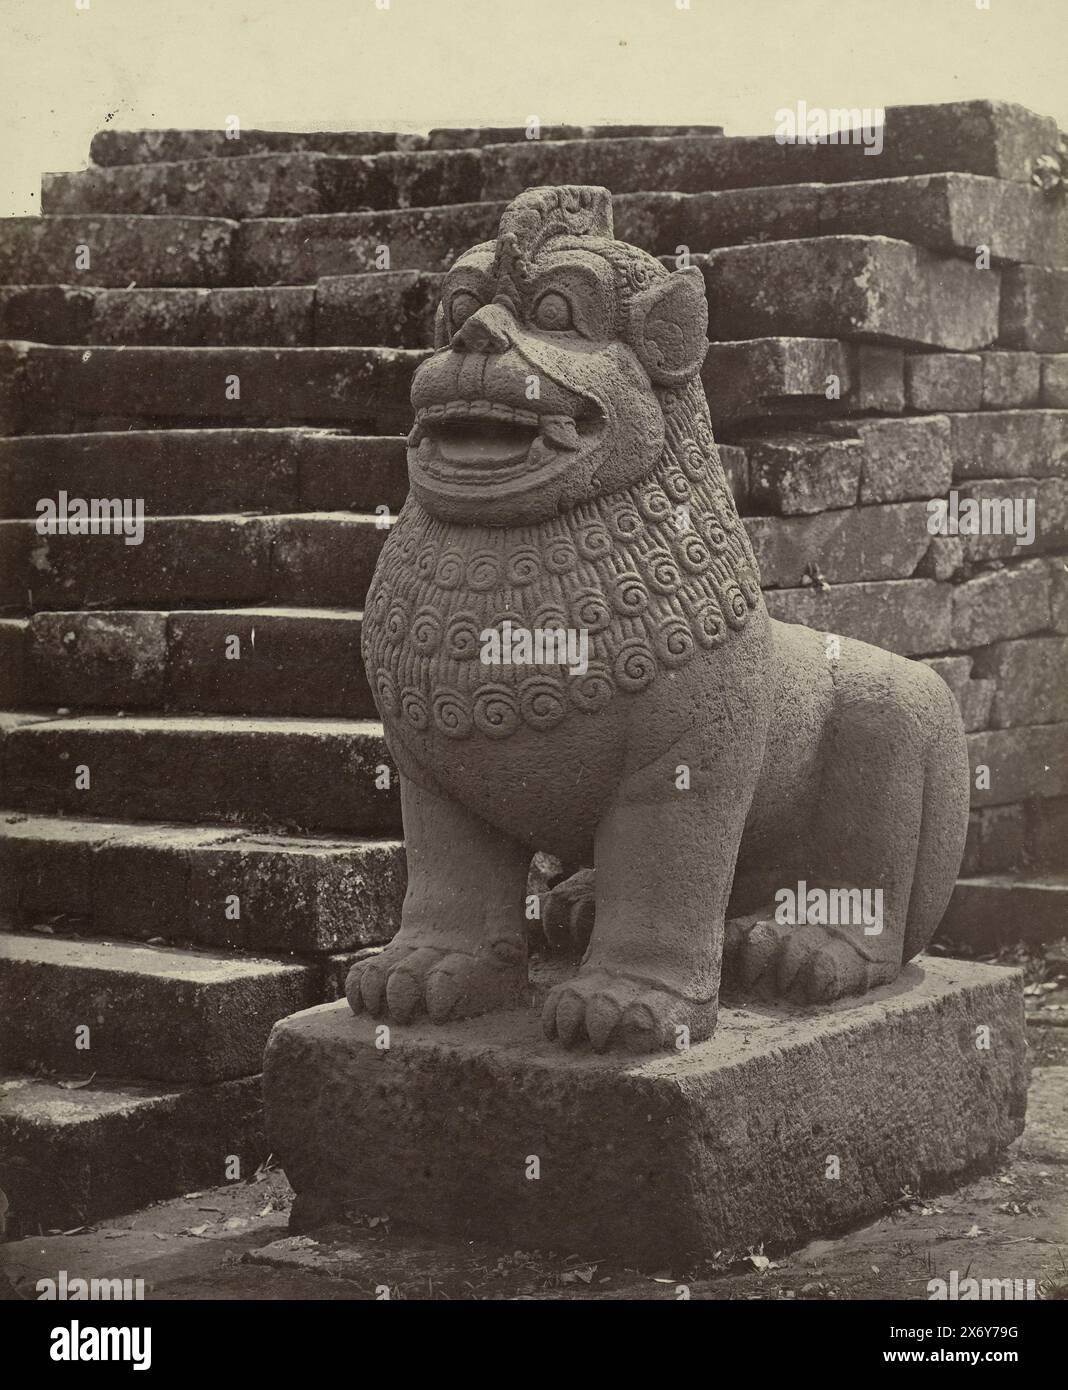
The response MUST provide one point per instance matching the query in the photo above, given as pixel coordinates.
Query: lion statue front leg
(461, 948)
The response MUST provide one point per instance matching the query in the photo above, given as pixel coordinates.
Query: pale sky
(67, 71)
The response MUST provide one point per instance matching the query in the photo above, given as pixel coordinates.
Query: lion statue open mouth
(564, 480)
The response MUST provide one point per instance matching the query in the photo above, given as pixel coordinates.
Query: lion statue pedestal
(569, 650)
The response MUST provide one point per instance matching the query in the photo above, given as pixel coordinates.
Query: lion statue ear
(667, 325)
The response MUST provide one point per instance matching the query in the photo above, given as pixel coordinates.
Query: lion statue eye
(461, 306)
(553, 313)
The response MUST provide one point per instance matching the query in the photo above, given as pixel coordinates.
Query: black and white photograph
(533, 668)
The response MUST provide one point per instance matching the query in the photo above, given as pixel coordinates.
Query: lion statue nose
(487, 330)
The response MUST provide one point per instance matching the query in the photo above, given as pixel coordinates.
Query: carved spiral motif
(495, 712)
(550, 615)
(451, 714)
(590, 610)
(676, 485)
(750, 588)
(483, 571)
(462, 640)
(693, 554)
(709, 625)
(735, 607)
(542, 702)
(450, 571)
(523, 566)
(635, 665)
(674, 642)
(693, 460)
(560, 556)
(426, 562)
(661, 572)
(625, 522)
(386, 690)
(396, 624)
(426, 631)
(413, 707)
(629, 595)
(406, 548)
(594, 542)
(654, 504)
(592, 690)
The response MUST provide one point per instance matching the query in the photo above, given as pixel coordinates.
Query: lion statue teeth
(569, 650)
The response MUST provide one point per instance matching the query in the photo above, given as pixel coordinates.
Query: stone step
(268, 185)
(869, 288)
(63, 389)
(181, 472)
(847, 545)
(70, 1157)
(154, 316)
(1034, 308)
(285, 774)
(115, 250)
(111, 147)
(952, 213)
(994, 911)
(14, 686)
(277, 661)
(911, 617)
(974, 137)
(764, 378)
(1021, 764)
(83, 1007)
(320, 558)
(228, 889)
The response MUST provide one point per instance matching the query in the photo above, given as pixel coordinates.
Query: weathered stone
(101, 659)
(165, 250)
(14, 688)
(323, 557)
(266, 661)
(972, 696)
(175, 472)
(202, 318)
(255, 385)
(767, 376)
(1023, 763)
(109, 147)
(1032, 680)
(303, 774)
(850, 286)
(185, 883)
(298, 251)
(1046, 834)
(268, 185)
(1001, 604)
(736, 216)
(1058, 594)
(1010, 380)
(1010, 444)
(344, 472)
(161, 1014)
(1034, 309)
(958, 213)
(458, 1112)
(1055, 380)
(847, 546)
(1002, 837)
(944, 381)
(878, 379)
(955, 671)
(944, 558)
(71, 1157)
(391, 307)
(904, 459)
(796, 473)
(991, 913)
(46, 313)
(191, 559)
(910, 617)
(736, 469)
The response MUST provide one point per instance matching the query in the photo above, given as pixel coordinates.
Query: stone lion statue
(570, 652)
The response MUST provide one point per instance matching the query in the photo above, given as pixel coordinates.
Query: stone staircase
(197, 834)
